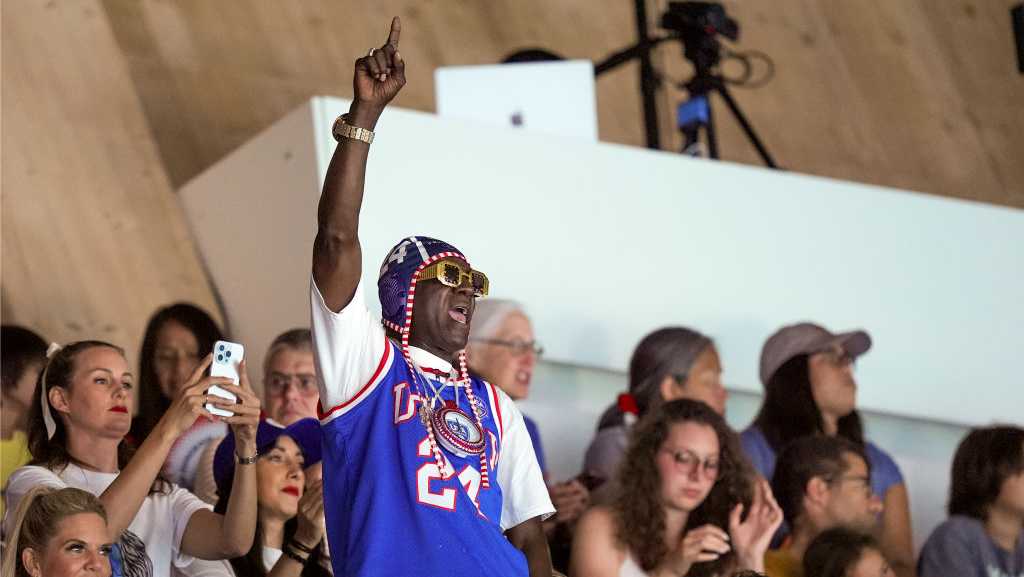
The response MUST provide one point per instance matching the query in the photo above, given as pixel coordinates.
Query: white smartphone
(226, 357)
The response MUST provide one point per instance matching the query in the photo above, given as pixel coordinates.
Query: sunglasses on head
(455, 275)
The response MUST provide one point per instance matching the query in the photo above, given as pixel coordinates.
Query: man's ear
(31, 563)
(59, 399)
(817, 491)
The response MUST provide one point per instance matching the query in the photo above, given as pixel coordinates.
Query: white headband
(44, 401)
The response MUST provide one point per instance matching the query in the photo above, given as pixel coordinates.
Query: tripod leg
(709, 130)
(747, 128)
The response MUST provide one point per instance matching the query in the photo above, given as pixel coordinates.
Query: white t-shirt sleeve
(21, 481)
(524, 494)
(183, 505)
(351, 350)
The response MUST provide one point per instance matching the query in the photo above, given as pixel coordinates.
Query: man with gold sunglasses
(427, 470)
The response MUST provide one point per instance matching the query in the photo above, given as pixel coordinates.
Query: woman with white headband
(81, 414)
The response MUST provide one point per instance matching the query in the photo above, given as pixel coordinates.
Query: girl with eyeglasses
(690, 506)
(669, 363)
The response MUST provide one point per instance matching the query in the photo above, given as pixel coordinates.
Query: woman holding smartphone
(77, 428)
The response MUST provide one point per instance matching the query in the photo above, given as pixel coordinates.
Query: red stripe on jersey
(497, 409)
(380, 368)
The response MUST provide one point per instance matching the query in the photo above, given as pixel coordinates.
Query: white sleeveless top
(630, 568)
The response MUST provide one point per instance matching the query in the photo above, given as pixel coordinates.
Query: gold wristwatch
(343, 129)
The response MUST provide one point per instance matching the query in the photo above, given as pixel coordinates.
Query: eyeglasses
(689, 462)
(519, 347)
(277, 384)
(452, 274)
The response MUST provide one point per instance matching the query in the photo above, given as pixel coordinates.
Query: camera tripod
(704, 51)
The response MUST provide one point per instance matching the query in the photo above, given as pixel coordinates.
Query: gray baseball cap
(805, 339)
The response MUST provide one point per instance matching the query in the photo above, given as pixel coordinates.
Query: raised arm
(337, 256)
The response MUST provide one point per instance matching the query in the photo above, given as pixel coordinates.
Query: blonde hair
(36, 520)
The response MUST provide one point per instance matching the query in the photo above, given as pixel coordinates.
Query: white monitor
(550, 97)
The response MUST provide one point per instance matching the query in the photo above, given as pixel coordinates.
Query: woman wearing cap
(290, 524)
(80, 416)
(669, 363)
(809, 389)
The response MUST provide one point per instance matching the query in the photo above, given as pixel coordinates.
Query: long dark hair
(983, 461)
(669, 351)
(152, 402)
(639, 509)
(789, 411)
(251, 564)
(53, 453)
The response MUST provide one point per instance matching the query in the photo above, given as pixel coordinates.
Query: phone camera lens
(228, 354)
(220, 357)
(221, 347)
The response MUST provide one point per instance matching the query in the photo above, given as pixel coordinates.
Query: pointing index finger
(396, 31)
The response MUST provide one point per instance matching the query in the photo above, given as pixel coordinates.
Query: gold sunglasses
(452, 274)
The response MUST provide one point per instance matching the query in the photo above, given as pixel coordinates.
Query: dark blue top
(531, 427)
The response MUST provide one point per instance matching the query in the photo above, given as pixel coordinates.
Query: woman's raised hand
(704, 543)
(752, 536)
(310, 526)
(190, 404)
(246, 410)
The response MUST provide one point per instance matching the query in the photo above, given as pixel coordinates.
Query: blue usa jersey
(388, 510)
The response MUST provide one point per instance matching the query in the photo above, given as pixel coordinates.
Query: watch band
(342, 129)
(247, 460)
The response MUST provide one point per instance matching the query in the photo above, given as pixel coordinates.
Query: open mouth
(294, 491)
(119, 409)
(459, 313)
(523, 377)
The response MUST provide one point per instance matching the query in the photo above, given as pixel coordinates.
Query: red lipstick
(119, 409)
(291, 490)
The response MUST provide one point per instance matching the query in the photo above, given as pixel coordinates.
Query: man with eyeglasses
(290, 390)
(820, 482)
(427, 470)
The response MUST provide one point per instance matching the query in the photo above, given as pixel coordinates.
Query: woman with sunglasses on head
(686, 508)
(810, 389)
(502, 349)
(58, 533)
(80, 417)
(669, 363)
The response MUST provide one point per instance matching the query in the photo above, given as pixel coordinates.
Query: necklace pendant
(456, 431)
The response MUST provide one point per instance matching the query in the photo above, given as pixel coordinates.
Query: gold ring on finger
(370, 55)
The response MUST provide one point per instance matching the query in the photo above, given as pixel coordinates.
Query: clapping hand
(752, 536)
